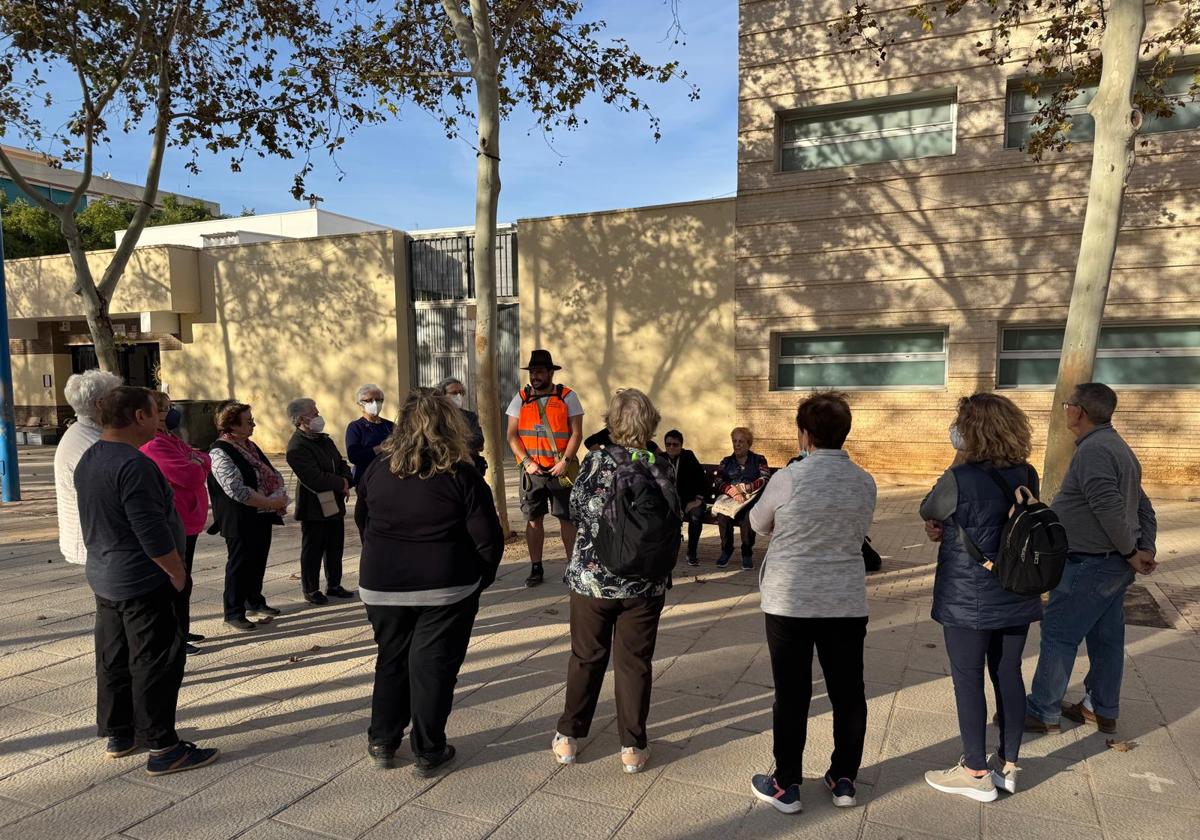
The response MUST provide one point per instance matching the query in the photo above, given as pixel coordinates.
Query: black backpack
(1033, 544)
(640, 525)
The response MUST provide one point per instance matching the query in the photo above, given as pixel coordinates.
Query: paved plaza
(288, 705)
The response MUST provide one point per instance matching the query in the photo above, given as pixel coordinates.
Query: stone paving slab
(289, 705)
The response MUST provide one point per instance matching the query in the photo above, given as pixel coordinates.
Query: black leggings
(1001, 650)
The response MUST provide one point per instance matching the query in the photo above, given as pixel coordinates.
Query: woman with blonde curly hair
(982, 622)
(431, 542)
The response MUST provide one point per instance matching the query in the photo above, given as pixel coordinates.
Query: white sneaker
(958, 780)
(1001, 778)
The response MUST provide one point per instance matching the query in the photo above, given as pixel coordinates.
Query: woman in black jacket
(983, 623)
(431, 543)
(248, 499)
(322, 485)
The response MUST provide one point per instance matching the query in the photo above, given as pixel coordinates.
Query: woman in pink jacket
(186, 470)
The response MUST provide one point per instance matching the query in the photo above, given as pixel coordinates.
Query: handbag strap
(972, 549)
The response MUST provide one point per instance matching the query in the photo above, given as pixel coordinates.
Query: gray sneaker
(958, 780)
(1001, 778)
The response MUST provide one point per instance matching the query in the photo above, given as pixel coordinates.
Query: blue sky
(408, 175)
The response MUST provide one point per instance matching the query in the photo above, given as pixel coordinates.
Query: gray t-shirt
(128, 515)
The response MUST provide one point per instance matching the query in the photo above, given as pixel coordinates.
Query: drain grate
(1142, 609)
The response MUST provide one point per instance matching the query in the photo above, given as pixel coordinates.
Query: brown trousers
(595, 622)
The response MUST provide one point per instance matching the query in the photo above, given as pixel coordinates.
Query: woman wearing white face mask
(365, 435)
(322, 485)
(457, 392)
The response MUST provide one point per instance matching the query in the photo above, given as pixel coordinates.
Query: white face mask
(956, 438)
(316, 425)
(457, 399)
(372, 408)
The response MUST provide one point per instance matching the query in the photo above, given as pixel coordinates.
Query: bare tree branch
(27, 188)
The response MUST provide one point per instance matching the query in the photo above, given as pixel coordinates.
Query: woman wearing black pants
(431, 543)
(248, 499)
(983, 623)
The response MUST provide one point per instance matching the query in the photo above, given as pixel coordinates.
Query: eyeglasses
(1065, 404)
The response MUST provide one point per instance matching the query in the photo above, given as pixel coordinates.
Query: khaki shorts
(542, 494)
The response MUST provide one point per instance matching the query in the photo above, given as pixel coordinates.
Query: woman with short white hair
(366, 435)
(454, 388)
(83, 391)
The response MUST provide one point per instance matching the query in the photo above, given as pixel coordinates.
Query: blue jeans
(1088, 603)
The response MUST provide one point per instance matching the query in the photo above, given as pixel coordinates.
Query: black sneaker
(191, 650)
(782, 799)
(183, 756)
(338, 592)
(317, 598)
(693, 561)
(195, 637)
(242, 623)
(263, 610)
(428, 766)
(385, 756)
(747, 562)
(119, 747)
(723, 560)
(536, 576)
(843, 791)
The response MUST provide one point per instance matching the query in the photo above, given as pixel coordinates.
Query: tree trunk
(1117, 124)
(487, 197)
(95, 305)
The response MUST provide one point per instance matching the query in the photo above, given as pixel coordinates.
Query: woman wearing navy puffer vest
(982, 622)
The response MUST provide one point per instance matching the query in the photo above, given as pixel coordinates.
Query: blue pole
(10, 476)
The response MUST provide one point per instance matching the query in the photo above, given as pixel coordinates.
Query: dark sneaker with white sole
(428, 766)
(768, 790)
(118, 747)
(183, 756)
(843, 791)
(265, 609)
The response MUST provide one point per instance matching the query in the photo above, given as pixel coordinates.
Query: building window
(1158, 356)
(869, 131)
(1021, 107)
(862, 360)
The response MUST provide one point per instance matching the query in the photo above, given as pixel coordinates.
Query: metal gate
(443, 289)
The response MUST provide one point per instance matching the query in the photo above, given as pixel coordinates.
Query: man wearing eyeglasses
(1110, 531)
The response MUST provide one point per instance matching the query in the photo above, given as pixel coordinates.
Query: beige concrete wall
(33, 398)
(280, 320)
(638, 298)
(969, 242)
(155, 279)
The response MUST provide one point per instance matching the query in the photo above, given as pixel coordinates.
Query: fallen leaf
(40, 618)
(1120, 746)
(314, 648)
(551, 611)
(295, 577)
(930, 645)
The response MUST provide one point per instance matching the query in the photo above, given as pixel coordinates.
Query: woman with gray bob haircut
(454, 388)
(83, 391)
(365, 435)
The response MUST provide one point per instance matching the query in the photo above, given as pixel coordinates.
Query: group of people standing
(432, 543)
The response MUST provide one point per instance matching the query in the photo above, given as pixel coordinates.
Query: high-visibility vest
(534, 436)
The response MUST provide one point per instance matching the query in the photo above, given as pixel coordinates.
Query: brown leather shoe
(1039, 726)
(1082, 714)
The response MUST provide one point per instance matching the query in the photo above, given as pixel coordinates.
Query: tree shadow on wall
(652, 278)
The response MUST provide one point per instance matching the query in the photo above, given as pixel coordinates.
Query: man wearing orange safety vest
(545, 428)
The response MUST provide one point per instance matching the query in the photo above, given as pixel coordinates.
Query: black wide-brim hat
(542, 359)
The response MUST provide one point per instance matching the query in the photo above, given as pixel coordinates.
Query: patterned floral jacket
(585, 574)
